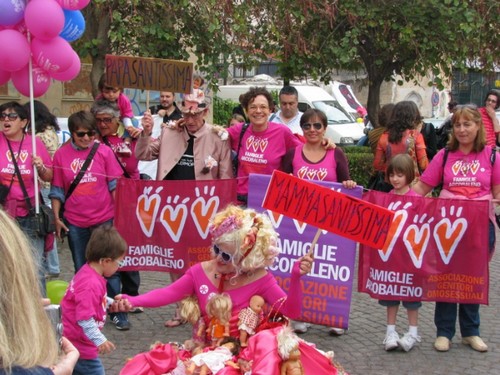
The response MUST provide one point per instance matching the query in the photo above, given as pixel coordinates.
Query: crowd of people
(80, 179)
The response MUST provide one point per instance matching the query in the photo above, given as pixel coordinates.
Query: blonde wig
(27, 338)
(252, 235)
(190, 310)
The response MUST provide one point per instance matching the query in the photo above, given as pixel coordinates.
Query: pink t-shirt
(260, 152)
(470, 176)
(85, 298)
(23, 151)
(130, 163)
(324, 170)
(196, 282)
(91, 202)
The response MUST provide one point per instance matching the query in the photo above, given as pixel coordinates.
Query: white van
(342, 127)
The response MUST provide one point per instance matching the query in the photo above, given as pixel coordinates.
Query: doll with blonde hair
(190, 312)
(288, 349)
(218, 308)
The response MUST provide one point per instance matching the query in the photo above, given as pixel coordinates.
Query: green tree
(383, 37)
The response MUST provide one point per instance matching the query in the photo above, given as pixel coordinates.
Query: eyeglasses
(225, 256)
(90, 134)
(106, 120)
(256, 107)
(308, 125)
(11, 116)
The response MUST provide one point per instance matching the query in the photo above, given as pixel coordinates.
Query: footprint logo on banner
(398, 222)
(447, 234)
(203, 210)
(416, 238)
(147, 209)
(173, 216)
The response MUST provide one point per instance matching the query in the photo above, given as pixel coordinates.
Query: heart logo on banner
(147, 210)
(300, 226)
(456, 167)
(311, 174)
(322, 173)
(275, 218)
(447, 237)
(416, 240)
(23, 156)
(395, 229)
(173, 219)
(474, 166)
(202, 211)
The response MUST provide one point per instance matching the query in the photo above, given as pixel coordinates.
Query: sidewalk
(360, 350)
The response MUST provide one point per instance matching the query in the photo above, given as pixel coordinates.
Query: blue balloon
(74, 25)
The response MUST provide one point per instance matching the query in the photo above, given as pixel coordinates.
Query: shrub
(360, 163)
(223, 110)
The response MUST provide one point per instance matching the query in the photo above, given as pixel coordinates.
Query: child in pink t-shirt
(401, 173)
(116, 95)
(85, 302)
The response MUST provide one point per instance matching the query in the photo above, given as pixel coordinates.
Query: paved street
(360, 351)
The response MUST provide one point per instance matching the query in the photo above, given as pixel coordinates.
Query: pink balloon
(73, 4)
(54, 55)
(44, 18)
(4, 77)
(41, 81)
(70, 73)
(15, 50)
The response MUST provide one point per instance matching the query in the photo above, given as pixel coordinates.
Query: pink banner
(436, 250)
(165, 223)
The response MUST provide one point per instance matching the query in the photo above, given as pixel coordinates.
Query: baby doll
(249, 318)
(191, 313)
(215, 360)
(288, 349)
(198, 95)
(218, 309)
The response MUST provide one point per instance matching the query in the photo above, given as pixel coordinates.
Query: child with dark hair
(115, 95)
(85, 302)
(401, 173)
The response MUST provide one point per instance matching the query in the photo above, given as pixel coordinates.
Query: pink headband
(228, 225)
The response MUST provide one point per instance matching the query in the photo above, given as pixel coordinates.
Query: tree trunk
(373, 104)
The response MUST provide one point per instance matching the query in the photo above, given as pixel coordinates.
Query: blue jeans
(89, 367)
(78, 239)
(445, 314)
(51, 258)
(37, 245)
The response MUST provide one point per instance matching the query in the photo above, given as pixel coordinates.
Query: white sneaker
(300, 327)
(408, 341)
(336, 331)
(391, 341)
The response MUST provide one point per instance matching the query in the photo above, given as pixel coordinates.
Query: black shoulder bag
(235, 159)
(44, 222)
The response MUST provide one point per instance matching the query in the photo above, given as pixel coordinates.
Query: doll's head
(219, 306)
(198, 81)
(190, 310)
(288, 344)
(257, 303)
(232, 344)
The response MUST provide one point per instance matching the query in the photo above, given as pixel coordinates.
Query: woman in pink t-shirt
(490, 120)
(260, 145)
(16, 147)
(467, 170)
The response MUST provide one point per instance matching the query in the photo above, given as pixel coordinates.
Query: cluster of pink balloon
(52, 25)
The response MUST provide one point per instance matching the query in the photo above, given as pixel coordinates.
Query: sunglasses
(11, 116)
(224, 256)
(90, 134)
(120, 263)
(106, 120)
(308, 125)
